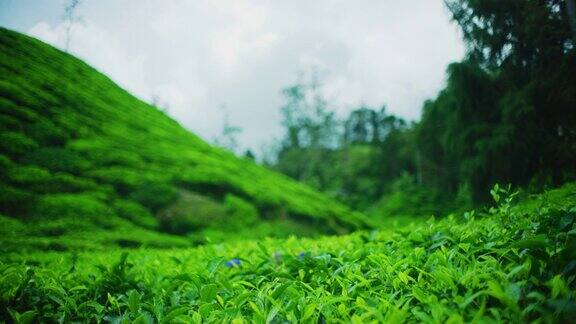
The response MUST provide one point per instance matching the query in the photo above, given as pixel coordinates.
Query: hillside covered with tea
(84, 163)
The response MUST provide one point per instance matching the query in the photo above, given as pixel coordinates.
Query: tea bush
(16, 144)
(242, 213)
(14, 201)
(511, 263)
(154, 195)
(71, 206)
(57, 159)
(193, 212)
(135, 213)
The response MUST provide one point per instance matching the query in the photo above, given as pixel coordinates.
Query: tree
(307, 121)
(362, 126)
(506, 114)
(524, 34)
(70, 19)
(229, 133)
(157, 102)
(311, 133)
(249, 155)
(571, 15)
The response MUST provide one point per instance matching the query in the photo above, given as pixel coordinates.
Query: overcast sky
(197, 55)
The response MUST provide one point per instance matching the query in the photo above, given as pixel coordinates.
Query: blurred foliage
(505, 115)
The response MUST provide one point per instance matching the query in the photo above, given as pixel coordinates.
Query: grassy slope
(511, 263)
(77, 152)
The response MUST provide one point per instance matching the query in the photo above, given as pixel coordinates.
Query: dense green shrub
(192, 212)
(67, 183)
(16, 144)
(57, 160)
(15, 202)
(101, 153)
(40, 180)
(24, 114)
(241, 213)
(67, 123)
(46, 133)
(28, 175)
(154, 195)
(406, 198)
(15, 93)
(135, 213)
(71, 206)
(5, 165)
(54, 228)
(11, 226)
(124, 180)
(10, 123)
(110, 157)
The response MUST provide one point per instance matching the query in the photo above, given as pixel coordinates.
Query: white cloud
(198, 55)
(101, 49)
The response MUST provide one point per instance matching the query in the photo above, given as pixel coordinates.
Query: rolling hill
(84, 164)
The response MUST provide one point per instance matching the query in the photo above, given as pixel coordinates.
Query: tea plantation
(511, 263)
(110, 211)
(84, 164)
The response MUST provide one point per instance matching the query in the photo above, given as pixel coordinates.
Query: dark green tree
(507, 113)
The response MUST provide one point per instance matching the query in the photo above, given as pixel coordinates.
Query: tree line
(507, 114)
